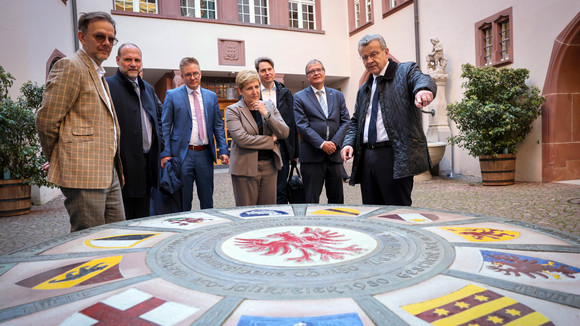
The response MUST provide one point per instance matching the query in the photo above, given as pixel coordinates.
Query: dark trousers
(327, 173)
(377, 184)
(136, 207)
(197, 167)
(281, 194)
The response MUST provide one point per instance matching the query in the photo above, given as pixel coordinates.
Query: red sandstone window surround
(494, 39)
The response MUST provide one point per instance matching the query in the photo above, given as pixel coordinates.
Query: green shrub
(20, 152)
(497, 112)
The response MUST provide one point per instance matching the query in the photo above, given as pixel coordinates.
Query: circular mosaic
(298, 265)
(323, 257)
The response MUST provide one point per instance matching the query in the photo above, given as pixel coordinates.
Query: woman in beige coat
(255, 127)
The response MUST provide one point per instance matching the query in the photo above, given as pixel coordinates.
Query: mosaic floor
(298, 265)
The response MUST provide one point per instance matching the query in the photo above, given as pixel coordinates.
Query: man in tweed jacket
(78, 128)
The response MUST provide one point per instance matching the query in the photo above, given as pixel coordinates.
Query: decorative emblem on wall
(231, 52)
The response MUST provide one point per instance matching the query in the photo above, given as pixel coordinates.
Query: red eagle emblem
(310, 242)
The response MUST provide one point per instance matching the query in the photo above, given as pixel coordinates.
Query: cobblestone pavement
(555, 205)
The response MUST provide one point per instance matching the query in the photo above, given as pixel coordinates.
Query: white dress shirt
(381, 131)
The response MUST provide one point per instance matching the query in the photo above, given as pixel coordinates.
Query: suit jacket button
(136, 156)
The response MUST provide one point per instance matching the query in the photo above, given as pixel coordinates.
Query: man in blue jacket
(138, 111)
(322, 119)
(191, 119)
(385, 135)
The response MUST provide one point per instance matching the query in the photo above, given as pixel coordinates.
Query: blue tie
(373, 121)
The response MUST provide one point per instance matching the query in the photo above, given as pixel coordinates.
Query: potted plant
(497, 112)
(20, 153)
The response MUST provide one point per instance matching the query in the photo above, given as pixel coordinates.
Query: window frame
(300, 11)
(252, 12)
(227, 13)
(136, 5)
(494, 23)
(197, 9)
(365, 15)
(389, 8)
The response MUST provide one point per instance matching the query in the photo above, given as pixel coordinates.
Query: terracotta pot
(14, 197)
(498, 171)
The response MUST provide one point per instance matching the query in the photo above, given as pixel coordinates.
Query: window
(199, 8)
(253, 11)
(392, 6)
(302, 14)
(143, 6)
(494, 39)
(360, 14)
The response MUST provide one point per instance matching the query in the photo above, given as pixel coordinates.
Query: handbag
(295, 187)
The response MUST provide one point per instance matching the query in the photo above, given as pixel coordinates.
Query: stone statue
(436, 58)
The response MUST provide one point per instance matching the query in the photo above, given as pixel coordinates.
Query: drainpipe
(416, 12)
(75, 27)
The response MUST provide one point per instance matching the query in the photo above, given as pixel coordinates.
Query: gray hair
(365, 40)
(311, 62)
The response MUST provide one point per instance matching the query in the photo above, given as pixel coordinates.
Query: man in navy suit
(139, 114)
(322, 120)
(191, 119)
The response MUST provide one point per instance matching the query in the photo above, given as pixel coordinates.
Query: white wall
(29, 32)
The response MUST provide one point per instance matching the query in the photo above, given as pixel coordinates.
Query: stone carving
(436, 59)
(231, 52)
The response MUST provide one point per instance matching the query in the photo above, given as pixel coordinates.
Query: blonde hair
(246, 76)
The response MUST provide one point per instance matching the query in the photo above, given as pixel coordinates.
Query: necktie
(199, 117)
(144, 122)
(322, 102)
(373, 120)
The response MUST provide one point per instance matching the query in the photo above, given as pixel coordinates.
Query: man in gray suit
(322, 119)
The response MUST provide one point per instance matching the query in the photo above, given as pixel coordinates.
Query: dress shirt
(269, 94)
(101, 73)
(146, 124)
(381, 131)
(326, 101)
(194, 140)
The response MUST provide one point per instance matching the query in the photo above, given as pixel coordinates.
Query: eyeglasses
(195, 75)
(373, 56)
(102, 37)
(314, 71)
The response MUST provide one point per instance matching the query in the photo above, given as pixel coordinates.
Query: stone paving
(556, 205)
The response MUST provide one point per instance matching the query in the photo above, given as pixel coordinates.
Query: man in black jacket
(388, 148)
(276, 92)
(138, 111)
